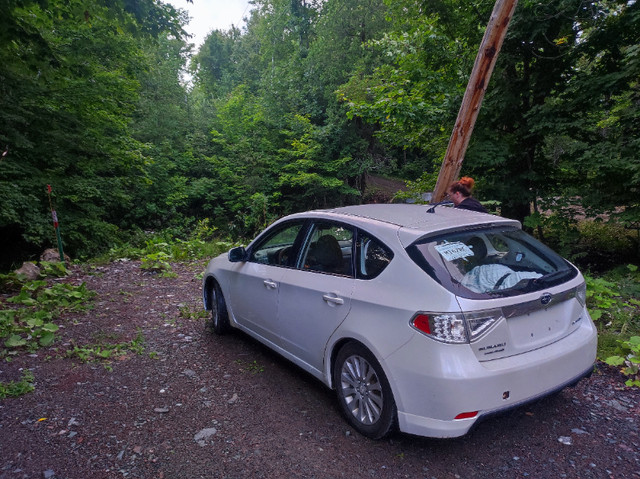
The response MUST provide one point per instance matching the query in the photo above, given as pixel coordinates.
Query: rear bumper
(434, 383)
(488, 414)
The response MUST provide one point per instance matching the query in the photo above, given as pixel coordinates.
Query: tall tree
(69, 89)
(542, 126)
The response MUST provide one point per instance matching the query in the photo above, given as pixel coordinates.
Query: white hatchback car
(423, 319)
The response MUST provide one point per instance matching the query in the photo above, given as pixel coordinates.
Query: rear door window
(490, 262)
(328, 249)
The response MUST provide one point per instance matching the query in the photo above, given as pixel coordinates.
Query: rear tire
(219, 314)
(363, 392)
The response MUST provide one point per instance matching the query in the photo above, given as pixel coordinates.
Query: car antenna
(433, 206)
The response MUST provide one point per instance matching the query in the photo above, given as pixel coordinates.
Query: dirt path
(195, 405)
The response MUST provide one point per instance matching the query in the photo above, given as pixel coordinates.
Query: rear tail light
(446, 327)
(456, 328)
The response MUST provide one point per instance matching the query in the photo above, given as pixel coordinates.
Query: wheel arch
(335, 349)
(209, 283)
(337, 346)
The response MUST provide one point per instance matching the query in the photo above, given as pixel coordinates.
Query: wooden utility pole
(472, 100)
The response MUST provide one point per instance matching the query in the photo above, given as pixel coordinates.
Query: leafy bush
(613, 305)
(612, 299)
(559, 230)
(157, 250)
(11, 282)
(630, 358)
(157, 262)
(600, 245)
(596, 245)
(54, 269)
(415, 189)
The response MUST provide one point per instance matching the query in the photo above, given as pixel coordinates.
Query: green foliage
(601, 244)
(308, 174)
(193, 314)
(158, 250)
(17, 388)
(29, 323)
(14, 282)
(601, 297)
(411, 99)
(252, 367)
(104, 351)
(596, 244)
(629, 358)
(613, 304)
(559, 230)
(70, 84)
(293, 111)
(11, 282)
(156, 259)
(415, 189)
(55, 269)
(613, 299)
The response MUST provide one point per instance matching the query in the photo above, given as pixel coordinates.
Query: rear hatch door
(526, 322)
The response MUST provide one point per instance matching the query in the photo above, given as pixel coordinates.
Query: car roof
(411, 221)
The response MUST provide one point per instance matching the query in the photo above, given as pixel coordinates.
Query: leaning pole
(473, 96)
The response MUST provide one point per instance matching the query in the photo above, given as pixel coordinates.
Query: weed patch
(17, 388)
(629, 359)
(104, 352)
(28, 322)
(252, 367)
(193, 313)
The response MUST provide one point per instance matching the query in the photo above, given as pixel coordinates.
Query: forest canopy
(296, 109)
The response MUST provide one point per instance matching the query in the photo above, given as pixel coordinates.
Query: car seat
(325, 255)
(478, 247)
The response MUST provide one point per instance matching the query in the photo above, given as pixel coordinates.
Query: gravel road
(194, 405)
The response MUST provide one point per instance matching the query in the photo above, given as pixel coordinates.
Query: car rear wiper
(531, 284)
(549, 277)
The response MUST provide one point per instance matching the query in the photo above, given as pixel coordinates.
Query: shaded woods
(294, 109)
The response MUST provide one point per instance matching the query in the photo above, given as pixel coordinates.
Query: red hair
(464, 186)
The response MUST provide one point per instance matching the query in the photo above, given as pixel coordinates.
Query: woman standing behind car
(460, 194)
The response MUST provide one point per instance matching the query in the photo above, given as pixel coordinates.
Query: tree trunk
(472, 100)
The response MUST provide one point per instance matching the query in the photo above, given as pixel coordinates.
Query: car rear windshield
(489, 263)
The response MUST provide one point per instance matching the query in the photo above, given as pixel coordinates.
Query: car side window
(277, 248)
(373, 256)
(328, 249)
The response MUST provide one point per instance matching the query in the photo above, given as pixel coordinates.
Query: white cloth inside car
(489, 277)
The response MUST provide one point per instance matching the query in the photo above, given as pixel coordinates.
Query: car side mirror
(237, 254)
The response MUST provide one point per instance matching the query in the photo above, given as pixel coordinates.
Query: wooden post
(473, 96)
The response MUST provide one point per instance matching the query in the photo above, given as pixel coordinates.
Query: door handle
(332, 299)
(270, 284)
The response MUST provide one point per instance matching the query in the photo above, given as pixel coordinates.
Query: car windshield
(488, 263)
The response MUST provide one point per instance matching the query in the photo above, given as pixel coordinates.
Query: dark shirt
(472, 204)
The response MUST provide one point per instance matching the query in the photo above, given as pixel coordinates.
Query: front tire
(363, 392)
(219, 314)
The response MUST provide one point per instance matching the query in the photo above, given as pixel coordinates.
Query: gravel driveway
(196, 405)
